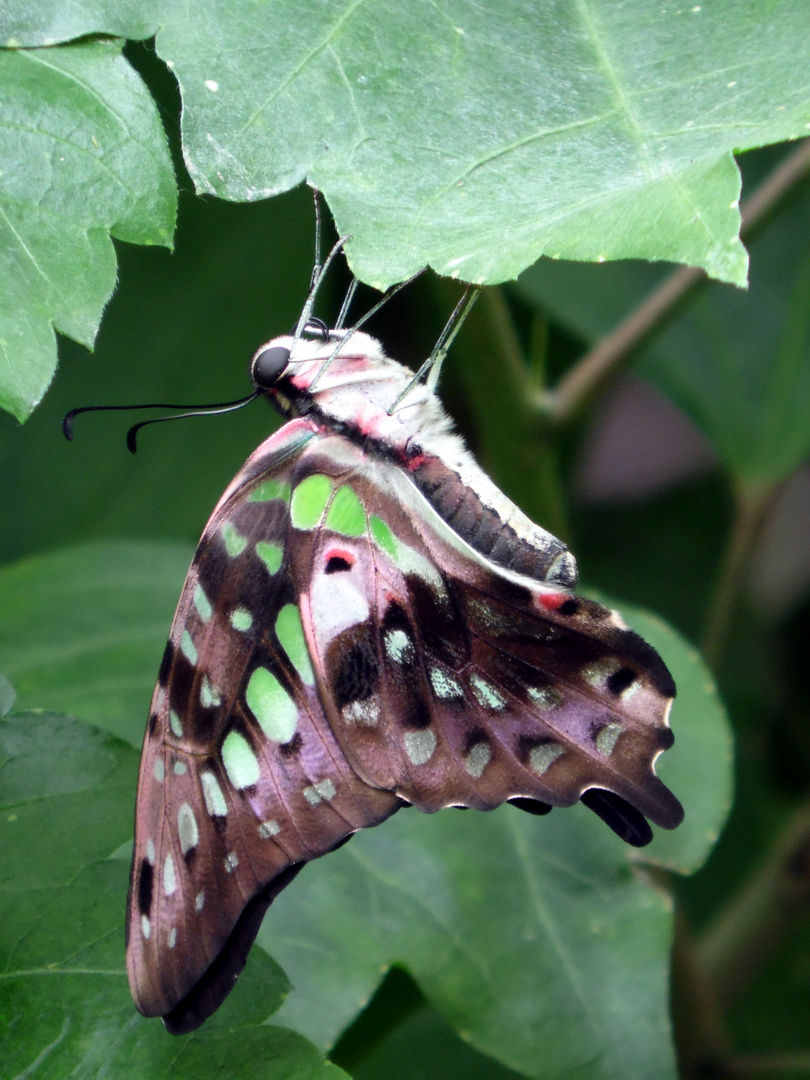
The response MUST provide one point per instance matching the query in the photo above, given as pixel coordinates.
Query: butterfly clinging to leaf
(368, 623)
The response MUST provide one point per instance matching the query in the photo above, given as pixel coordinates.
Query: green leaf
(7, 696)
(83, 157)
(83, 630)
(65, 804)
(737, 363)
(478, 137)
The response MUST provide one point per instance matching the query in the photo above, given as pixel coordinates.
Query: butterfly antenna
(316, 269)
(319, 273)
(194, 410)
(344, 308)
(433, 365)
(363, 319)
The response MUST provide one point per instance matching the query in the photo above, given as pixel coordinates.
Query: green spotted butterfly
(368, 623)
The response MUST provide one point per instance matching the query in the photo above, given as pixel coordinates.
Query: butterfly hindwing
(450, 683)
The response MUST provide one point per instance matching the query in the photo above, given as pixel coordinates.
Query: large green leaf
(737, 362)
(477, 137)
(82, 157)
(82, 631)
(525, 933)
(65, 1010)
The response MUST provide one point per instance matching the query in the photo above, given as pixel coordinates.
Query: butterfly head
(343, 374)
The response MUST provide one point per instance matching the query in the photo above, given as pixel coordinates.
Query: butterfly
(368, 623)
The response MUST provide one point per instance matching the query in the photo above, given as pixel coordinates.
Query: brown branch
(575, 388)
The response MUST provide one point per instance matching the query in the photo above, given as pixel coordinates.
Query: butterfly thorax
(361, 393)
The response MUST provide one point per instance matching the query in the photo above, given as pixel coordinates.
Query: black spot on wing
(442, 626)
(166, 664)
(293, 747)
(336, 564)
(417, 715)
(181, 684)
(145, 885)
(530, 806)
(628, 823)
(357, 674)
(569, 607)
(619, 681)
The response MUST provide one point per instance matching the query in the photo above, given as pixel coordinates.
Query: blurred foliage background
(680, 481)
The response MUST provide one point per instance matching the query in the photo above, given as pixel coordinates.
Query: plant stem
(751, 507)
(605, 358)
(751, 925)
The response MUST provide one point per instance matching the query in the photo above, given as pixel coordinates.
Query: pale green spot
(169, 879)
(188, 648)
(547, 697)
(383, 535)
(268, 829)
(234, 542)
(159, 770)
(270, 554)
(241, 764)
(542, 757)
(477, 759)
(346, 514)
(607, 738)
(486, 694)
(202, 603)
(171, 938)
(199, 901)
(399, 647)
(180, 768)
(272, 706)
(290, 633)
(231, 861)
(174, 723)
(309, 501)
(270, 489)
(146, 927)
(315, 794)
(419, 746)
(187, 830)
(209, 697)
(598, 672)
(212, 793)
(444, 685)
(150, 852)
(241, 619)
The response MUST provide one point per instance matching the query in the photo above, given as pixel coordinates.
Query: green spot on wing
(270, 489)
(241, 764)
(346, 514)
(290, 633)
(235, 543)
(272, 706)
(309, 501)
(241, 619)
(270, 554)
(188, 648)
(383, 535)
(202, 603)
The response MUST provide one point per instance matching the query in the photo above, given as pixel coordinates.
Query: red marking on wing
(551, 601)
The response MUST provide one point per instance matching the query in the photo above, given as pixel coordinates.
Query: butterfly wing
(337, 651)
(241, 781)
(452, 682)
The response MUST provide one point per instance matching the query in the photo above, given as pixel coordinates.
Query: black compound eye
(269, 364)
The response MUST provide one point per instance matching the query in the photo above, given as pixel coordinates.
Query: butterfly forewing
(240, 777)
